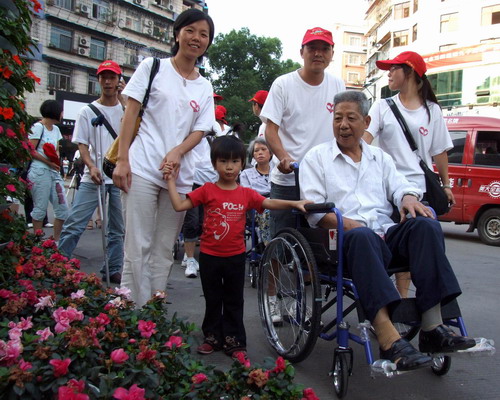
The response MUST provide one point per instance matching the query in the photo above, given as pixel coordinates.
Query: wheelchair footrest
(483, 347)
(384, 368)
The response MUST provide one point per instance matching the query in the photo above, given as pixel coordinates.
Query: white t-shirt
(97, 138)
(40, 131)
(204, 170)
(431, 137)
(173, 112)
(304, 114)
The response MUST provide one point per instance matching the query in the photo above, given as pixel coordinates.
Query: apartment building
(459, 40)
(74, 36)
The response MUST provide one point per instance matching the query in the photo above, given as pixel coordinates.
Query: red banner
(460, 55)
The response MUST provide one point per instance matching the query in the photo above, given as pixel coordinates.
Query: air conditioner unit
(148, 31)
(148, 22)
(171, 7)
(139, 2)
(83, 41)
(84, 9)
(82, 51)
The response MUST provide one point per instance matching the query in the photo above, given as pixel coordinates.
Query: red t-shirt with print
(224, 217)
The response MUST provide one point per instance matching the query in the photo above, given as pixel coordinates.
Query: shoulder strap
(104, 120)
(402, 122)
(154, 70)
(41, 136)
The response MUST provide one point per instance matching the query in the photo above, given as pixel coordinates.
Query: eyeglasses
(395, 67)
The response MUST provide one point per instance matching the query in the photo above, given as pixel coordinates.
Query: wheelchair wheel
(441, 365)
(288, 271)
(254, 267)
(340, 375)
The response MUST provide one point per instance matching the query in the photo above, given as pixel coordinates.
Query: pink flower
(15, 333)
(10, 133)
(199, 378)
(60, 366)
(119, 356)
(147, 328)
(49, 244)
(5, 294)
(134, 393)
(64, 317)
(24, 365)
(10, 188)
(123, 291)
(242, 358)
(73, 391)
(78, 294)
(102, 319)
(44, 334)
(174, 341)
(25, 323)
(280, 365)
(10, 352)
(309, 394)
(43, 302)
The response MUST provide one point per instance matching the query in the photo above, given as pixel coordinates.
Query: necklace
(179, 71)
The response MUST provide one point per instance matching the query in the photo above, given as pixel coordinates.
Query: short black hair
(188, 17)
(51, 109)
(228, 147)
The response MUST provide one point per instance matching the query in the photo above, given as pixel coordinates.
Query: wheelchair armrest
(320, 207)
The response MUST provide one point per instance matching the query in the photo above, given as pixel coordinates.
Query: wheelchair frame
(289, 264)
(254, 254)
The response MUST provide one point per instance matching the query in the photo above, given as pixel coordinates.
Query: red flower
(119, 356)
(174, 341)
(17, 60)
(147, 328)
(36, 6)
(134, 393)
(280, 365)
(7, 73)
(31, 75)
(309, 394)
(146, 355)
(73, 391)
(11, 188)
(199, 378)
(10, 133)
(7, 112)
(60, 366)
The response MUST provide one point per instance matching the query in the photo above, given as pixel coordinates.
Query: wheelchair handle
(319, 207)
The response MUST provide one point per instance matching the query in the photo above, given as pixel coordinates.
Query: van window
(456, 153)
(487, 151)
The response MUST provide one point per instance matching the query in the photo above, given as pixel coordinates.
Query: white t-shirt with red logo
(224, 217)
(173, 112)
(431, 137)
(304, 114)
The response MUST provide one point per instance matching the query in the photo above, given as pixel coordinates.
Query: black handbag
(434, 194)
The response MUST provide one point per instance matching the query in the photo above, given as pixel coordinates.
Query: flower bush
(63, 335)
(15, 79)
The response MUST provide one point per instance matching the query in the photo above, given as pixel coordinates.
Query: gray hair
(353, 96)
(258, 140)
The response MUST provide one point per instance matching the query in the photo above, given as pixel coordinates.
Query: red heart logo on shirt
(423, 131)
(329, 107)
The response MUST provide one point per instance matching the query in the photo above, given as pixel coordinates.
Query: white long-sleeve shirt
(361, 191)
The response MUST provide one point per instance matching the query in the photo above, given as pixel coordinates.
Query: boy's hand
(299, 205)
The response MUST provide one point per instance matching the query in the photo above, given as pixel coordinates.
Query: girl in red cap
(420, 109)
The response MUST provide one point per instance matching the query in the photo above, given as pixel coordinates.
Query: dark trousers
(418, 243)
(193, 222)
(223, 280)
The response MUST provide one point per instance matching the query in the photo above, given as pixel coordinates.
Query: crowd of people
(185, 170)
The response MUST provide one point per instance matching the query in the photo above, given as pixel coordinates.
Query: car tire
(488, 227)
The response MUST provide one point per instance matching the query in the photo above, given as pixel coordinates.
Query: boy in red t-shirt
(222, 244)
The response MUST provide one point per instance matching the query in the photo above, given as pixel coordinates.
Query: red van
(474, 169)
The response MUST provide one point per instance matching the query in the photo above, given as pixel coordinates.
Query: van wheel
(488, 227)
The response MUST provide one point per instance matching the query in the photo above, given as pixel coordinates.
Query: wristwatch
(446, 186)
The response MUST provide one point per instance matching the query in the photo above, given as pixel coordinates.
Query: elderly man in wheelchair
(364, 184)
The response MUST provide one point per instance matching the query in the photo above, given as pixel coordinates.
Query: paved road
(477, 267)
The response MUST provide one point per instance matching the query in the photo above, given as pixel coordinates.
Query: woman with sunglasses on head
(179, 111)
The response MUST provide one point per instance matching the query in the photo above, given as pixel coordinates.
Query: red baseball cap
(218, 97)
(220, 113)
(318, 34)
(410, 58)
(109, 65)
(260, 97)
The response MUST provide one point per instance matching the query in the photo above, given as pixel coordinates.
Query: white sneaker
(49, 225)
(30, 225)
(274, 310)
(191, 271)
(184, 261)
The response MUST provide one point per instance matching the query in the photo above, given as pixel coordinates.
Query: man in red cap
(299, 116)
(99, 138)
(258, 100)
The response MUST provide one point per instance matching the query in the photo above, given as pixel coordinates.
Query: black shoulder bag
(434, 194)
(24, 172)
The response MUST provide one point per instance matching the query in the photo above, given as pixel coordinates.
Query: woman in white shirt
(179, 111)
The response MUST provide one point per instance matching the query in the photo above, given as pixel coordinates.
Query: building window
(353, 77)
(60, 78)
(354, 41)
(414, 33)
(61, 38)
(97, 49)
(449, 22)
(447, 87)
(100, 10)
(353, 59)
(133, 22)
(490, 15)
(400, 38)
(402, 10)
(68, 4)
(415, 6)
(94, 88)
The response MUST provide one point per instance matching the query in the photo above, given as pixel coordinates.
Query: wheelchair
(255, 246)
(303, 268)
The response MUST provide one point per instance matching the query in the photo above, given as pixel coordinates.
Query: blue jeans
(86, 201)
